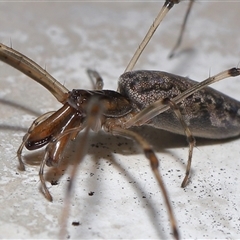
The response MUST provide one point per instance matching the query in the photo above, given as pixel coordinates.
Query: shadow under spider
(102, 146)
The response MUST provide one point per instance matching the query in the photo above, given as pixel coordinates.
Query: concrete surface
(68, 37)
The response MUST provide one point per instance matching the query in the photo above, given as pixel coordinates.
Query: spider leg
(150, 155)
(94, 112)
(34, 71)
(96, 79)
(163, 12)
(56, 147)
(179, 40)
(190, 137)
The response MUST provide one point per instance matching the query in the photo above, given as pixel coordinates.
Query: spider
(116, 112)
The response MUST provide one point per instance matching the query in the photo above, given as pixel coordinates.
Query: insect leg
(163, 12)
(190, 137)
(150, 155)
(179, 40)
(158, 107)
(27, 135)
(96, 79)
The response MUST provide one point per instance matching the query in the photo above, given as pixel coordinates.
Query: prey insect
(153, 98)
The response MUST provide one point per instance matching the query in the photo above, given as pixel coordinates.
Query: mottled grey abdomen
(208, 113)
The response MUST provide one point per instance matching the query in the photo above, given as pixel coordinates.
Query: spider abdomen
(207, 112)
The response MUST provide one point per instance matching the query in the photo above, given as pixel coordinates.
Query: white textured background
(67, 38)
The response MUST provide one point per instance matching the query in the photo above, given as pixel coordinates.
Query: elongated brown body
(208, 113)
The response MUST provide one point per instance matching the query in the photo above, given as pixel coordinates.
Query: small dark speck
(143, 196)
(17, 173)
(54, 182)
(91, 174)
(75, 223)
(90, 193)
(95, 145)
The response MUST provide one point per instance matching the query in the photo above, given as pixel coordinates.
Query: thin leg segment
(179, 40)
(94, 111)
(96, 79)
(163, 12)
(34, 71)
(150, 155)
(190, 138)
(56, 147)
